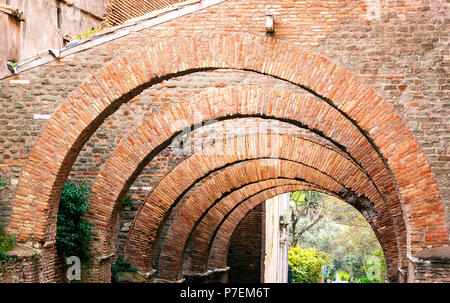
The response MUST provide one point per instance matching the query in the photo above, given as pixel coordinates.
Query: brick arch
(194, 172)
(135, 152)
(119, 80)
(167, 192)
(217, 258)
(196, 260)
(200, 241)
(199, 247)
(215, 190)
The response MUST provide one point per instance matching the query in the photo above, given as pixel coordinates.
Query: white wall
(277, 241)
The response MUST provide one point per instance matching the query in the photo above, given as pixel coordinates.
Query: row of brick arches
(348, 143)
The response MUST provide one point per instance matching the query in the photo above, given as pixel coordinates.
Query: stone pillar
(430, 265)
(51, 266)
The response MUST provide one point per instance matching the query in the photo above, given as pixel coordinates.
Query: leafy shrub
(127, 202)
(7, 242)
(73, 233)
(121, 265)
(343, 275)
(307, 264)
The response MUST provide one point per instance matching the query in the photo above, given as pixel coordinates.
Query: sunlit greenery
(335, 228)
(307, 264)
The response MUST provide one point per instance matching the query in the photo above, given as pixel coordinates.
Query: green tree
(120, 266)
(304, 204)
(73, 233)
(307, 264)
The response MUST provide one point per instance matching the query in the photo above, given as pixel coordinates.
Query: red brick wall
(430, 265)
(246, 249)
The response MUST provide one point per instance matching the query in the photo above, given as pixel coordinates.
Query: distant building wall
(46, 22)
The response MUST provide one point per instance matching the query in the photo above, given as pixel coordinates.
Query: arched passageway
(381, 143)
(234, 176)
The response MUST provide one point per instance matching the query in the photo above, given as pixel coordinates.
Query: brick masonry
(213, 187)
(244, 254)
(359, 36)
(21, 266)
(431, 265)
(115, 159)
(207, 230)
(172, 180)
(221, 241)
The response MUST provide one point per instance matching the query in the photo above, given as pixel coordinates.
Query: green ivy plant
(74, 233)
(121, 265)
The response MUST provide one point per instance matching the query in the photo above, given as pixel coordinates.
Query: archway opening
(305, 236)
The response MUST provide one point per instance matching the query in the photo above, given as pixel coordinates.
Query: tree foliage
(128, 203)
(341, 232)
(74, 233)
(2, 186)
(374, 269)
(304, 204)
(307, 264)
